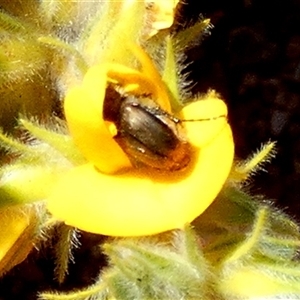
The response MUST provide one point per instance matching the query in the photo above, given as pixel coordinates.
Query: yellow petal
(149, 70)
(84, 105)
(147, 81)
(209, 114)
(18, 229)
(138, 203)
(83, 110)
(248, 283)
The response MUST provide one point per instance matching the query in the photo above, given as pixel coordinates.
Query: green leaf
(171, 75)
(11, 25)
(63, 143)
(152, 271)
(192, 35)
(67, 241)
(23, 184)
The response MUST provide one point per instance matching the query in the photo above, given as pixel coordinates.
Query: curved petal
(138, 203)
(211, 116)
(83, 110)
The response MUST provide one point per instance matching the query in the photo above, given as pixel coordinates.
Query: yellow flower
(108, 195)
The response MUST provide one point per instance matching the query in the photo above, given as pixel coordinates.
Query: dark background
(252, 58)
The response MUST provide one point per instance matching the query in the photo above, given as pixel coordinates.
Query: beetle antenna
(207, 119)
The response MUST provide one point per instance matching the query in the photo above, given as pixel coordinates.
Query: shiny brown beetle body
(147, 134)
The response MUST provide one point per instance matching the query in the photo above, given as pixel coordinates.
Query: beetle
(146, 133)
(149, 135)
